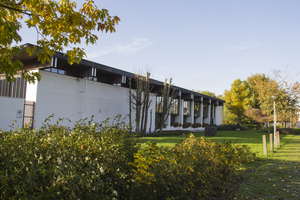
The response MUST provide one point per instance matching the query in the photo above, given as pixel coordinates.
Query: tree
(165, 104)
(58, 24)
(140, 99)
(256, 115)
(284, 88)
(238, 98)
(206, 92)
(288, 102)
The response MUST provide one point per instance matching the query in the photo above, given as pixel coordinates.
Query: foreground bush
(89, 161)
(98, 161)
(194, 169)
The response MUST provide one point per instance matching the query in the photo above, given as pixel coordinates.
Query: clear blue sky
(202, 45)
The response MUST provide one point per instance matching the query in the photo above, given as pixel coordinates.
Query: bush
(287, 131)
(186, 125)
(158, 125)
(194, 169)
(163, 133)
(205, 124)
(89, 161)
(231, 127)
(175, 124)
(196, 125)
(98, 161)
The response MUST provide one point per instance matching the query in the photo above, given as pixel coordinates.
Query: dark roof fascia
(121, 72)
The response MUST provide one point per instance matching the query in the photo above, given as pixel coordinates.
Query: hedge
(100, 161)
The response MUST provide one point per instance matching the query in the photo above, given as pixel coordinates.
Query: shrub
(205, 124)
(294, 131)
(231, 127)
(196, 125)
(175, 124)
(158, 125)
(194, 169)
(186, 125)
(99, 161)
(89, 161)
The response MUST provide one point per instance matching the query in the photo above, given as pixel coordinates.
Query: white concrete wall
(73, 98)
(9, 108)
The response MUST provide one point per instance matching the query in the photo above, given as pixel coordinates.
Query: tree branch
(15, 9)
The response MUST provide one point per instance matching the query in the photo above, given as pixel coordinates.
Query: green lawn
(275, 176)
(250, 138)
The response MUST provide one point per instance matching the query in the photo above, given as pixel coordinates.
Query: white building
(79, 91)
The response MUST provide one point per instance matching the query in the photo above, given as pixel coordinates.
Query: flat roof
(24, 56)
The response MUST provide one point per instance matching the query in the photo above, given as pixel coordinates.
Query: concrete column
(209, 112)
(201, 111)
(168, 121)
(213, 113)
(181, 101)
(192, 107)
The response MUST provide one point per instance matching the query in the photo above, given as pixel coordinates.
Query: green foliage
(196, 125)
(175, 124)
(186, 125)
(286, 131)
(60, 24)
(231, 127)
(238, 98)
(194, 169)
(205, 124)
(89, 161)
(293, 131)
(163, 133)
(102, 161)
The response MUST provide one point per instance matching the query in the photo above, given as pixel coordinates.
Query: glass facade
(174, 107)
(205, 111)
(197, 110)
(186, 108)
(159, 102)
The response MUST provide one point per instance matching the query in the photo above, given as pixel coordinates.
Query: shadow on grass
(275, 176)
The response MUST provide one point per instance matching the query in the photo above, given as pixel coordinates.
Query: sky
(201, 45)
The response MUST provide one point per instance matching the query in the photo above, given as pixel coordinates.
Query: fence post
(265, 145)
(278, 138)
(271, 142)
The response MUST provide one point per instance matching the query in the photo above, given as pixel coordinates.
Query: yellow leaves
(59, 21)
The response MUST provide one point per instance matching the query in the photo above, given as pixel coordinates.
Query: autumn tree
(206, 92)
(256, 115)
(289, 87)
(284, 88)
(238, 98)
(59, 25)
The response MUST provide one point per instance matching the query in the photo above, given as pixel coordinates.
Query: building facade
(82, 90)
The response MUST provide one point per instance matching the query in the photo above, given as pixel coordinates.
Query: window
(15, 89)
(186, 108)
(205, 110)
(197, 110)
(174, 107)
(55, 70)
(159, 106)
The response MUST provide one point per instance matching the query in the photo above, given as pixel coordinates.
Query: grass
(275, 176)
(250, 138)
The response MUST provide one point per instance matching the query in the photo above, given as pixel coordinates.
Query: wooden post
(275, 140)
(271, 142)
(265, 145)
(278, 138)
